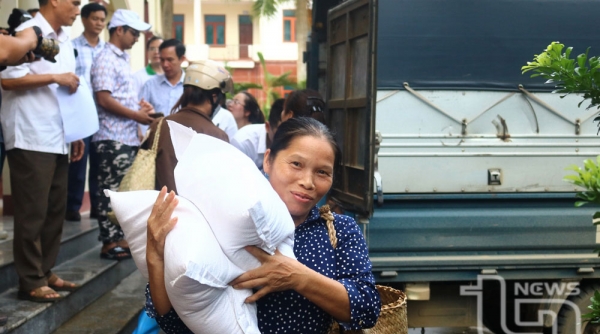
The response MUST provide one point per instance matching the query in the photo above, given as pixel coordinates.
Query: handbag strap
(325, 213)
(157, 135)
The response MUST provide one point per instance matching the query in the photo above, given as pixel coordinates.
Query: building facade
(220, 30)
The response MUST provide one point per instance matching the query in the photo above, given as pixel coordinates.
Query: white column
(198, 23)
(198, 50)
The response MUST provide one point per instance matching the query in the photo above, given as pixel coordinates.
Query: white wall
(267, 33)
(272, 45)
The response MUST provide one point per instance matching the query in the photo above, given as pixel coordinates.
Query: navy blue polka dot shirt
(288, 311)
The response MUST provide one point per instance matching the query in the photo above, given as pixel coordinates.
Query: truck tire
(567, 317)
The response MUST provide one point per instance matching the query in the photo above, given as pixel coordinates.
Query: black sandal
(116, 253)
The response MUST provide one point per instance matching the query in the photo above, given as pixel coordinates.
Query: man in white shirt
(37, 153)
(255, 139)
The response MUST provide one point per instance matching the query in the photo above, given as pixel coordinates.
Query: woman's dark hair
(193, 95)
(301, 127)
(152, 39)
(305, 103)
(251, 105)
(275, 113)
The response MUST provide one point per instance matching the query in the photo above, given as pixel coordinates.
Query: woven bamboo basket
(392, 319)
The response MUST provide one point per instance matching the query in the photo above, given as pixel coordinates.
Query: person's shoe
(3, 320)
(73, 216)
(3, 235)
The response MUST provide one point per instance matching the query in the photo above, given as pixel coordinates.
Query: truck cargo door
(351, 92)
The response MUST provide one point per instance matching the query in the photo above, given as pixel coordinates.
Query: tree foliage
(587, 177)
(594, 316)
(271, 82)
(569, 75)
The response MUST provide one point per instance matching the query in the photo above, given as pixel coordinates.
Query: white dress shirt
(252, 140)
(225, 121)
(31, 119)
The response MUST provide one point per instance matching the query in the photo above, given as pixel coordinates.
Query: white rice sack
(196, 269)
(237, 200)
(133, 209)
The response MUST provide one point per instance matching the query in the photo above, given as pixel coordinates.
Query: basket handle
(156, 136)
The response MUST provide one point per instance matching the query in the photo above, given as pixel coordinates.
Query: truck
(453, 160)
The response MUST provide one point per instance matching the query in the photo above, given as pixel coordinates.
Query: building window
(215, 29)
(178, 27)
(289, 25)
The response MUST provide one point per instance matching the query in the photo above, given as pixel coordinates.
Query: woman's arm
(352, 299)
(160, 224)
(279, 273)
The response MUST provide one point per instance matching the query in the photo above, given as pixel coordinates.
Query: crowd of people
(293, 148)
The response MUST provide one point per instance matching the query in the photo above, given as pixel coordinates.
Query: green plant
(272, 82)
(594, 316)
(587, 177)
(580, 75)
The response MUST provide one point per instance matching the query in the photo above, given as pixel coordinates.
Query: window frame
(215, 33)
(181, 24)
(292, 20)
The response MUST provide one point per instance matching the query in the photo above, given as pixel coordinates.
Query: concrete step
(97, 277)
(77, 238)
(115, 312)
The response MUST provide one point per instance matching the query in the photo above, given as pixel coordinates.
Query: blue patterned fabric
(288, 311)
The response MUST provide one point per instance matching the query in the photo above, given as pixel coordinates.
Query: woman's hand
(160, 224)
(276, 273)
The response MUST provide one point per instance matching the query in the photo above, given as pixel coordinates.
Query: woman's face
(301, 174)
(153, 52)
(237, 106)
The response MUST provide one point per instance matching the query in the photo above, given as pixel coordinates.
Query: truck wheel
(567, 318)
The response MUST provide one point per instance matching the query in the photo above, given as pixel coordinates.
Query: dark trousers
(114, 160)
(39, 189)
(77, 172)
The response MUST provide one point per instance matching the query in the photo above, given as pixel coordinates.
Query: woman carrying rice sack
(292, 296)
